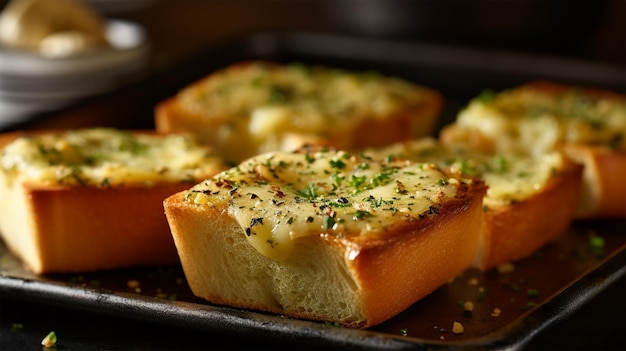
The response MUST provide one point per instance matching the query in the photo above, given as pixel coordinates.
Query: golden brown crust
(401, 271)
(555, 88)
(166, 122)
(517, 230)
(529, 203)
(89, 229)
(388, 272)
(603, 194)
(418, 117)
(55, 228)
(171, 117)
(451, 134)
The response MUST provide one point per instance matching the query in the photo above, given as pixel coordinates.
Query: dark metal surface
(159, 294)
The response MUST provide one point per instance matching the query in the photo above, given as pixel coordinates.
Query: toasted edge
(59, 229)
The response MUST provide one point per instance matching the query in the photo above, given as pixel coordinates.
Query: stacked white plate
(31, 84)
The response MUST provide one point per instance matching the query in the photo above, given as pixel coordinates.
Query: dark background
(179, 31)
(594, 30)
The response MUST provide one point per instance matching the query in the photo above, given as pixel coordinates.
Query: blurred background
(587, 29)
(171, 33)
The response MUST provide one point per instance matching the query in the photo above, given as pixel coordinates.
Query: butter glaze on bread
(325, 235)
(254, 107)
(589, 124)
(88, 200)
(530, 200)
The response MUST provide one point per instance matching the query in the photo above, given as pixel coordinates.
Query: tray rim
(214, 318)
(442, 55)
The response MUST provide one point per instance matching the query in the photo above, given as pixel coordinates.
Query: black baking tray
(577, 272)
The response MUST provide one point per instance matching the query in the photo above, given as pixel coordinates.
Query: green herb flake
(300, 67)
(357, 181)
(257, 82)
(379, 179)
(50, 340)
(309, 158)
(278, 95)
(131, 145)
(596, 244)
(310, 192)
(337, 179)
(487, 96)
(501, 164)
(105, 183)
(467, 168)
(358, 215)
(339, 164)
(532, 292)
(328, 222)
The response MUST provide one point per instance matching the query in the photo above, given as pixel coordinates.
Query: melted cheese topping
(522, 120)
(107, 157)
(510, 177)
(269, 100)
(278, 197)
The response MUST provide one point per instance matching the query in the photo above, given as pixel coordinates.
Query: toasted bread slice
(589, 124)
(325, 235)
(530, 201)
(87, 200)
(254, 107)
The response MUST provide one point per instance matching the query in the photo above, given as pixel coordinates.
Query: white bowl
(129, 48)
(32, 83)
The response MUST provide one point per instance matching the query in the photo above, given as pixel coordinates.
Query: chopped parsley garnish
(357, 181)
(310, 192)
(278, 95)
(596, 244)
(339, 164)
(360, 215)
(486, 96)
(328, 222)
